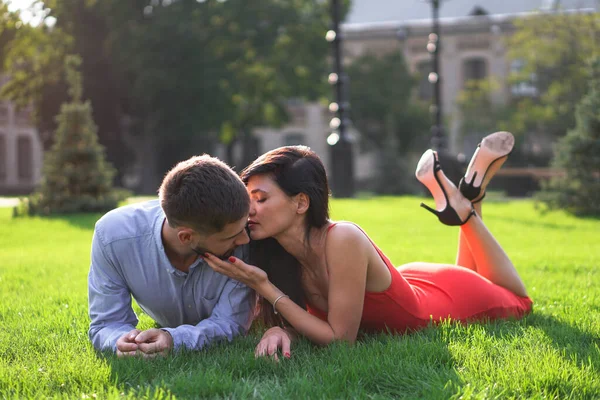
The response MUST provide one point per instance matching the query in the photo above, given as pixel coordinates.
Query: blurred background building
(21, 152)
(473, 37)
(472, 34)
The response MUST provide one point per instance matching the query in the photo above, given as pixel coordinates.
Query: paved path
(13, 201)
(8, 201)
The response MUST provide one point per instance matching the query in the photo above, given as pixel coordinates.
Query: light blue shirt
(128, 259)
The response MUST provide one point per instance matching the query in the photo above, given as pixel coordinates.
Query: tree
(549, 54)
(36, 69)
(281, 54)
(165, 56)
(172, 78)
(387, 117)
(578, 154)
(554, 51)
(208, 72)
(33, 60)
(76, 177)
(10, 23)
(478, 114)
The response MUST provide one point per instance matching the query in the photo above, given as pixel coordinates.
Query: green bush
(578, 154)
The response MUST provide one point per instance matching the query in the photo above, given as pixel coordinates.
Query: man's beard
(202, 251)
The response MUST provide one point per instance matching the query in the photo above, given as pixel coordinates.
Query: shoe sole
(489, 157)
(426, 175)
(425, 165)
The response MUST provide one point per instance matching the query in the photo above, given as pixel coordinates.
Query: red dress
(418, 296)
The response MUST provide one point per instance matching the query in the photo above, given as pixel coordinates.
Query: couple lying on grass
(196, 259)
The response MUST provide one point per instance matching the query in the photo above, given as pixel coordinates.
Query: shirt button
(189, 306)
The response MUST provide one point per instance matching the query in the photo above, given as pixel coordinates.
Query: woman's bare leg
(490, 259)
(489, 156)
(464, 257)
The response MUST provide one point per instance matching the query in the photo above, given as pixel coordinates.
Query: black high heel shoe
(489, 156)
(429, 165)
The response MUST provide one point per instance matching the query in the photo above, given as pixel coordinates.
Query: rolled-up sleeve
(232, 316)
(109, 299)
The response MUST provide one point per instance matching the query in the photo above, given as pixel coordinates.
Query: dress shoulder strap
(381, 254)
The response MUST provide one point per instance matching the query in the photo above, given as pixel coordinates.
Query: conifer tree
(76, 175)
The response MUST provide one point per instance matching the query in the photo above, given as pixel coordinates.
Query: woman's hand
(235, 268)
(273, 340)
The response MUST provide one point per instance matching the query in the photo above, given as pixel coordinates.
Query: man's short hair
(203, 193)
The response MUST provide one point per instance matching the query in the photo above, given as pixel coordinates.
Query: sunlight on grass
(553, 353)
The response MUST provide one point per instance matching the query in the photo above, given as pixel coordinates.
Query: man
(152, 251)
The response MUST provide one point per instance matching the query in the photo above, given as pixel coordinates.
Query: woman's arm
(347, 254)
(305, 324)
(347, 262)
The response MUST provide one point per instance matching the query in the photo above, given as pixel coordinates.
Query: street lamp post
(340, 143)
(434, 48)
(452, 167)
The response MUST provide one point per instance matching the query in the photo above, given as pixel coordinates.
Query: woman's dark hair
(295, 169)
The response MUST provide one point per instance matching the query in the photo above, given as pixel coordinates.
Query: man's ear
(302, 202)
(185, 235)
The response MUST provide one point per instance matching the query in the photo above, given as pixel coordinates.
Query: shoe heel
(448, 215)
(431, 210)
(429, 164)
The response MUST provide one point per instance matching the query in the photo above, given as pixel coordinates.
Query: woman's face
(272, 211)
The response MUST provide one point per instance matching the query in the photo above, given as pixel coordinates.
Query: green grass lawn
(553, 353)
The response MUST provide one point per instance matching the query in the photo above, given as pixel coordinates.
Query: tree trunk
(147, 159)
(229, 152)
(250, 148)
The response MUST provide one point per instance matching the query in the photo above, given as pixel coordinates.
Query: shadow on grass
(414, 366)
(574, 344)
(569, 340)
(418, 365)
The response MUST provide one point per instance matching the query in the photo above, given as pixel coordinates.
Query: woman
(340, 282)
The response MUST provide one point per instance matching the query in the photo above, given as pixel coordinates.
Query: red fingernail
(232, 259)
(206, 255)
(287, 355)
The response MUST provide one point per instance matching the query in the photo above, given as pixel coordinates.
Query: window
(425, 87)
(3, 155)
(523, 88)
(295, 138)
(25, 158)
(474, 69)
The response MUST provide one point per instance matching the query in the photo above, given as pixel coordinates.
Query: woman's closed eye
(261, 200)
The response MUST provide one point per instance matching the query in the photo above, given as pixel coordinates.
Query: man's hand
(148, 344)
(274, 339)
(154, 342)
(126, 345)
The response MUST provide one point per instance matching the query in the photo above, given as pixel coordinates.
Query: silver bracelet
(276, 300)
